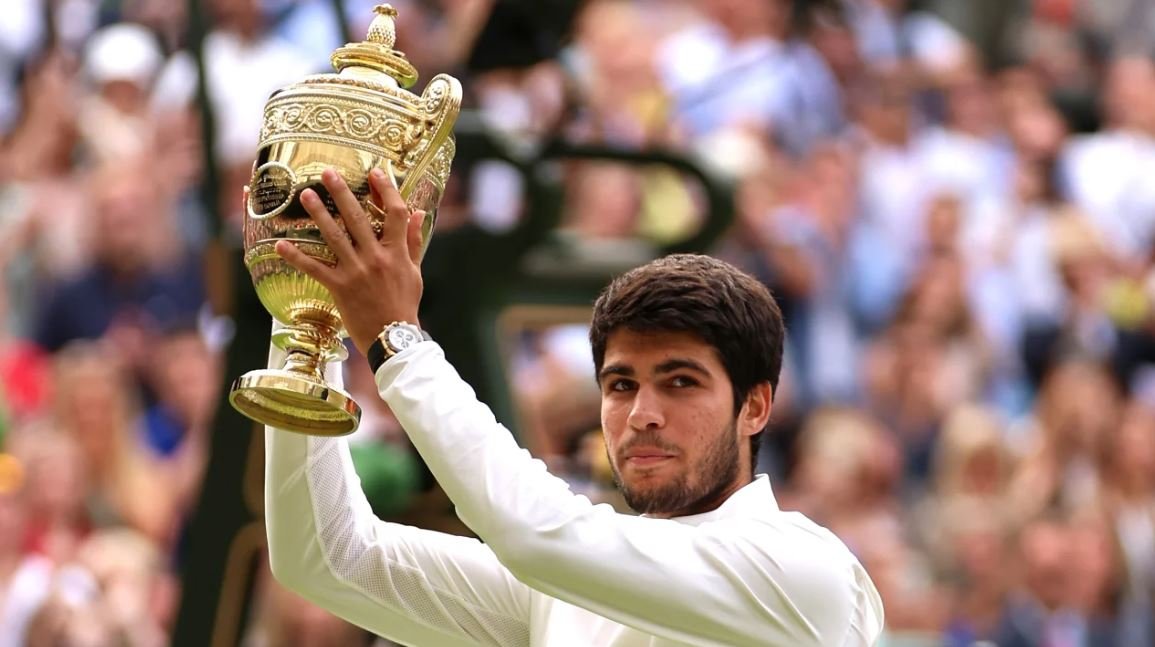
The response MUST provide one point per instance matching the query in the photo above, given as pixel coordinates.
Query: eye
(683, 381)
(620, 385)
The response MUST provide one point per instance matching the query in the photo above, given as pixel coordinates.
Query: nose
(646, 410)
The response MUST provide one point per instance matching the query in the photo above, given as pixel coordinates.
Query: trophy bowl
(360, 118)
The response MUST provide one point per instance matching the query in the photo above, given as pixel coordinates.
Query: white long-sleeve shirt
(555, 570)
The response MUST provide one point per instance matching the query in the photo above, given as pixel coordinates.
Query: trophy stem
(309, 346)
(296, 397)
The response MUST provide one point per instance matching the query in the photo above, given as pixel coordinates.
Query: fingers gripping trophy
(361, 118)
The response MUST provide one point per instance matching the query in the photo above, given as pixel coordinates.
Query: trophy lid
(375, 55)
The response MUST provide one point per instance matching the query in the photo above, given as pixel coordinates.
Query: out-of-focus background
(953, 201)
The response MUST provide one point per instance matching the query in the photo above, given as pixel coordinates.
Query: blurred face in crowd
(1043, 549)
(620, 47)
(834, 40)
(11, 526)
(749, 17)
(57, 476)
(894, 6)
(163, 15)
(126, 96)
(982, 473)
(88, 385)
(127, 208)
(884, 108)
(1079, 407)
(937, 300)
(970, 103)
(1093, 565)
(942, 222)
(1134, 451)
(832, 199)
(187, 380)
(1022, 103)
(892, 568)
(242, 16)
(608, 201)
(128, 568)
(1036, 128)
(674, 442)
(1030, 182)
(846, 462)
(1129, 93)
(981, 555)
(92, 403)
(971, 458)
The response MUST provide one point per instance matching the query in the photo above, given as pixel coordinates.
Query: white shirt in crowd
(555, 570)
(1107, 175)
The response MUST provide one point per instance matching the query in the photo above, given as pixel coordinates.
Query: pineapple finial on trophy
(383, 29)
(375, 55)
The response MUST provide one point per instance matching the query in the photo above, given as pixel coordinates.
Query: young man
(687, 351)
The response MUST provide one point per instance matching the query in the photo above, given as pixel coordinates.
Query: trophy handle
(441, 103)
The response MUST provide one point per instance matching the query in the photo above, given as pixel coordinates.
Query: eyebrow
(668, 366)
(679, 363)
(615, 369)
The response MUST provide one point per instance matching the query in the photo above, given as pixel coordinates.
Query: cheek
(614, 417)
(697, 428)
(709, 413)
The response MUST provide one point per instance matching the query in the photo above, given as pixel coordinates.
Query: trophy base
(294, 402)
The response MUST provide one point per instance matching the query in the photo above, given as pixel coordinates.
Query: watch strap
(376, 354)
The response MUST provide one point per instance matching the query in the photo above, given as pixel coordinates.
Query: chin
(647, 483)
(654, 493)
(650, 478)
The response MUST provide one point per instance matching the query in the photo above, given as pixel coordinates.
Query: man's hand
(375, 282)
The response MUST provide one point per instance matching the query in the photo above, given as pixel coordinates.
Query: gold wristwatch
(395, 338)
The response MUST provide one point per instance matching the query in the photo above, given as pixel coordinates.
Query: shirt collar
(755, 498)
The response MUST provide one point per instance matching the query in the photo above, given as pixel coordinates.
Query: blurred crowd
(949, 199)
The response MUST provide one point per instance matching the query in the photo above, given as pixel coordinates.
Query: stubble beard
(715, 472)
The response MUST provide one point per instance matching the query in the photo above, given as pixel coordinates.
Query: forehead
(642, 349)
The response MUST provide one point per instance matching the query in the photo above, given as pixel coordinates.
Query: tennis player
(687, 351)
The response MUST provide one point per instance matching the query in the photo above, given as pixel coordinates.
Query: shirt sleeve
(730, 582)
(412, 586)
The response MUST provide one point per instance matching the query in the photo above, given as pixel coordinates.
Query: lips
(647, 461)
(646, 456)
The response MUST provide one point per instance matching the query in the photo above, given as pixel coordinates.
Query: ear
(755, 411)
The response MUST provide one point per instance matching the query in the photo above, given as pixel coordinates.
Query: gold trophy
(360, 118)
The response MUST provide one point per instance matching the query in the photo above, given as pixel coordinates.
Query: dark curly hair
(725, 307)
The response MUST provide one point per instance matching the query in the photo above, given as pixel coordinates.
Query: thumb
(414, 236)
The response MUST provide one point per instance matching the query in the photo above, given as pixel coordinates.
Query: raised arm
(409, 585)
(785, 582)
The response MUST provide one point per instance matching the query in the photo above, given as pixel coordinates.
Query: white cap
(123, 52)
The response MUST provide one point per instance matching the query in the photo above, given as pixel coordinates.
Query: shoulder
(791, 535)
(793, 561)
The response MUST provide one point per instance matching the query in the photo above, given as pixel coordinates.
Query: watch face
(402, 337)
